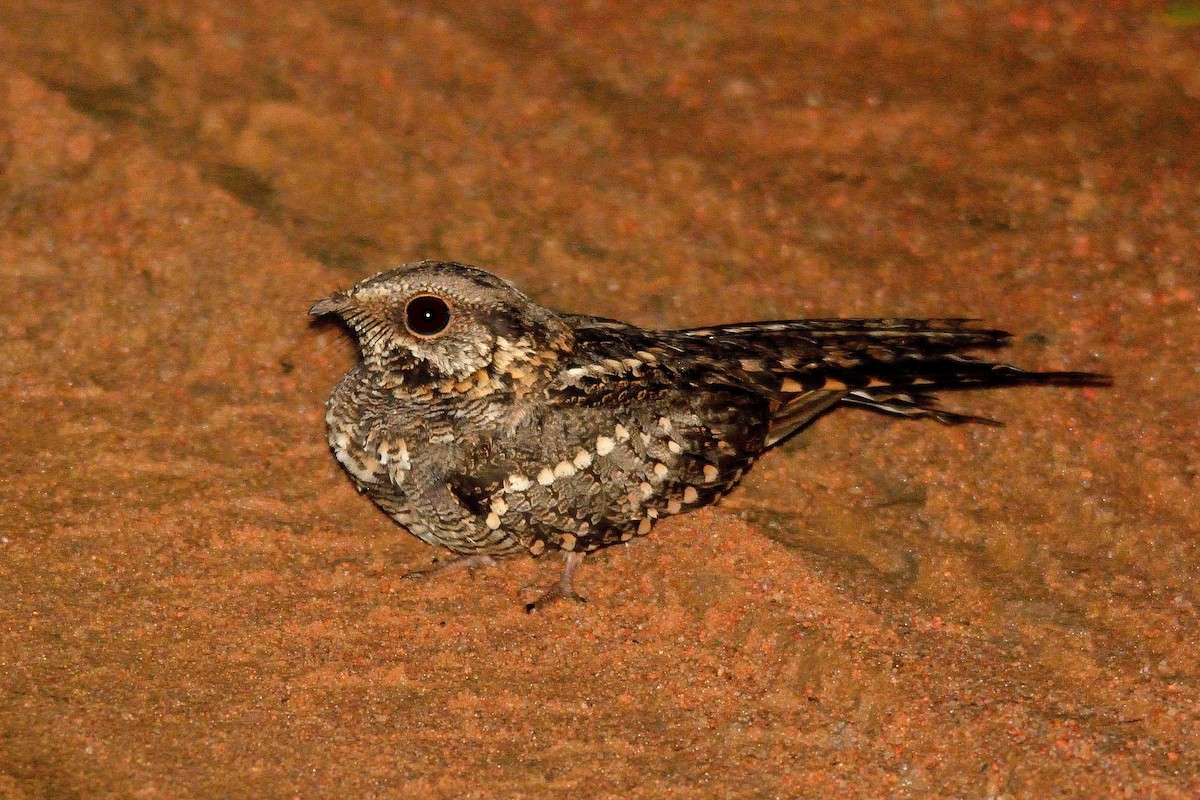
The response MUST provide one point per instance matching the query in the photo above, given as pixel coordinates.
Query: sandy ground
(195, 603)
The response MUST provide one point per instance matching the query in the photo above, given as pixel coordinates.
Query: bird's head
(443, 324)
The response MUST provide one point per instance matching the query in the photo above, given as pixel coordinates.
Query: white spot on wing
(545, 477)
(399, 455)
(604, 445)
(364, 473)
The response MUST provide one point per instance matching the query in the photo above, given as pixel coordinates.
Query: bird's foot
(564, 589)
(453, 565)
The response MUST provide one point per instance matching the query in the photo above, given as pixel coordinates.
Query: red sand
(195, 602)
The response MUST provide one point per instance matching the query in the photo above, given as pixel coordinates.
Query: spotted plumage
(489, 425)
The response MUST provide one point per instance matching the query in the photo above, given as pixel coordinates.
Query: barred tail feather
(919, 398)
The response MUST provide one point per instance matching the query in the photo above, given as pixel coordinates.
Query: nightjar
(489, 425)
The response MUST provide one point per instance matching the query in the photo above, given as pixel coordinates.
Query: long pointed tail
(895, 366)
(918, 397)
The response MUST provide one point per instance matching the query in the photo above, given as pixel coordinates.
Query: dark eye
(426, 315)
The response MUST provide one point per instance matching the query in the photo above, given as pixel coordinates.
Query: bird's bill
(334, 304)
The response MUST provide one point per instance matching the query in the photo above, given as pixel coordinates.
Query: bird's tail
(895, 366)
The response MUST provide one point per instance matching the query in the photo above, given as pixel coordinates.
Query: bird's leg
(564, 589)
(453, 565)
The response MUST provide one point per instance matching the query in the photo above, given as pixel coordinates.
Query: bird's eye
(426, 315)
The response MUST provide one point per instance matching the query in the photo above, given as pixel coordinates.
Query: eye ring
(426, 315)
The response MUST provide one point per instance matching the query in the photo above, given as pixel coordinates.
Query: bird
(489, 425)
